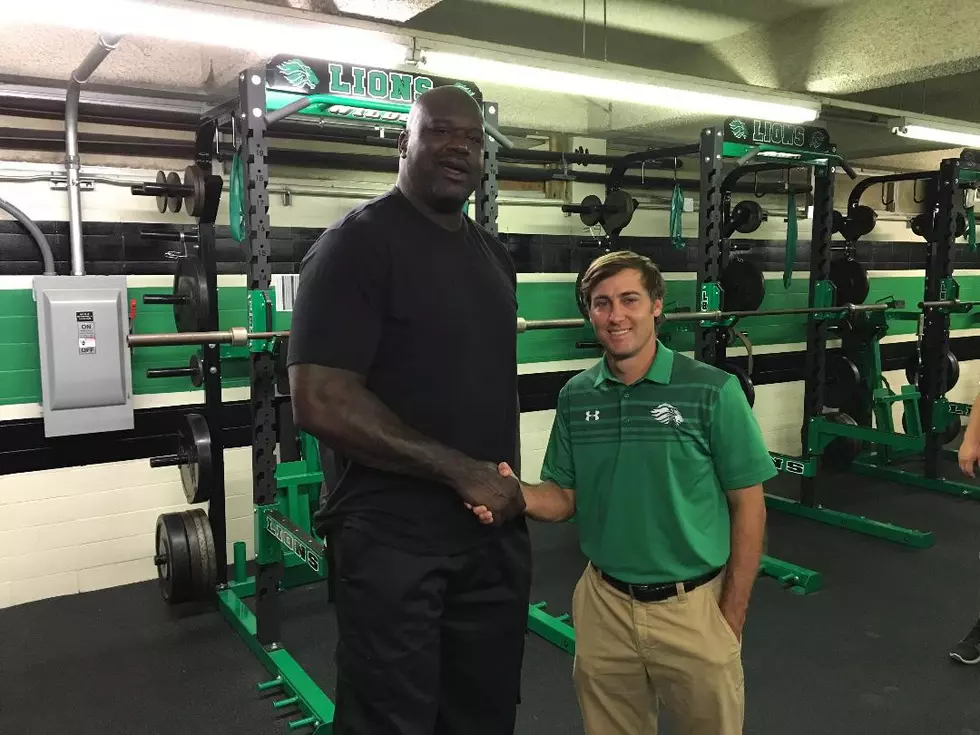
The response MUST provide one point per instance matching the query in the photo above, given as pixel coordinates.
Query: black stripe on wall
(114, 248)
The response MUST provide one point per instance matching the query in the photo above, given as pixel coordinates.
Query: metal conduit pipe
(105, 46)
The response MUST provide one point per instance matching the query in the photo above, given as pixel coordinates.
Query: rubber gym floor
(867, 654)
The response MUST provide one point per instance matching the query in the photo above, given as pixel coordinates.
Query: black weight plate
(952, 370)
(743, 284)
(161, 180)
(189, 281)
(953, 430)
(743, 378)
(196, 364)
(842, 385)
(617, 211)
(841, 452)
(583, 307)
(748, 216)
(200, 541)
(593, 213)
(280, 351)
(197, 468)
(860, 221)
(851, 281)
(174, 201)
(838, 222)
(921, 225)
(194, 203)
(173, 559)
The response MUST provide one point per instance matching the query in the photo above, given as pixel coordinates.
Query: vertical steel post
(935, 332)
(709, 345)
(486, 190)
(253, 152)
(816, 330)
(211, 353)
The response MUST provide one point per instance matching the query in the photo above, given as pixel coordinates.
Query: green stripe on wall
(20, 380)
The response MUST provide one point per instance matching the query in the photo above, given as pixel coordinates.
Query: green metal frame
(799, 580)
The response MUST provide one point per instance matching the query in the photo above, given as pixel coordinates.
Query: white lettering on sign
(789, 465)
(764, 131)
(289, 542)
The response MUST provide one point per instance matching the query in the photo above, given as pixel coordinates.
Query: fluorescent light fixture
(264, 35)
(546, 80)
(953, 134)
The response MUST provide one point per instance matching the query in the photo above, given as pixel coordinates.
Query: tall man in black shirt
(403, 360)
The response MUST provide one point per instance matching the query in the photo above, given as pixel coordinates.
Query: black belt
(655, 592)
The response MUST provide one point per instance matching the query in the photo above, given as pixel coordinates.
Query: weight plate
(851, 281)
(617, 211)
(860, 221)
(743, 378)
(200, 542)
(280, 351)
(838, 222)
(921, 225)
(161, 180)
(952, 370)
(191, 314)
(951, 432)
(583, 307)
(748, 216)
(842, 384)
(174, 200)
(194, 202)
(196, 364)
(743, 284)
(197, 465)
(173, 559)
(953, 429)
(841, 452)
(593, 213)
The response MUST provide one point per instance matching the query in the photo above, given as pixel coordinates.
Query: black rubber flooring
(866, 655)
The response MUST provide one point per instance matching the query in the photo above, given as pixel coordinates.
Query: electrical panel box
(86, 375)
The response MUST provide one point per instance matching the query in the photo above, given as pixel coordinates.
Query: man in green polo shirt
(661, 461)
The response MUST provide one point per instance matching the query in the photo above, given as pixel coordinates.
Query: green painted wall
(20, 380)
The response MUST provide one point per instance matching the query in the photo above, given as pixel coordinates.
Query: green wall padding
(20, 380)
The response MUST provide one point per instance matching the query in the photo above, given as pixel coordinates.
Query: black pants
(429, 645)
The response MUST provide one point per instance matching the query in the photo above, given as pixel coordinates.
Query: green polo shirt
(650, 464)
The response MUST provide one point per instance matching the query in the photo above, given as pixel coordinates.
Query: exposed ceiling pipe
(105, 46)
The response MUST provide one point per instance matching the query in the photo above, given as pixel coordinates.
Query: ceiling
(910, 55)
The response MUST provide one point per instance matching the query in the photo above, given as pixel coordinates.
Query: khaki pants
(632, 657)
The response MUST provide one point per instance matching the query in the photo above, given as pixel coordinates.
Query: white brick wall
(78, 529)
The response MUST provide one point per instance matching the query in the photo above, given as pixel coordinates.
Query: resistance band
(676, 214)
(790, 240)
(971, 229)
(236, 199)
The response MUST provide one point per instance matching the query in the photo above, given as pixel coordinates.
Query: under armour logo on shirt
(592, 415)
(667, 415)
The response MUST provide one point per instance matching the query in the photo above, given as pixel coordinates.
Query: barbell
(240, 336)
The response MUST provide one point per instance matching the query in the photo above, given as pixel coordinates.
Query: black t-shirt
(428, 316)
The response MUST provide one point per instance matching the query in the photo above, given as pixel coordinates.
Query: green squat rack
(843, 391)
(930, 421)
(729, 287)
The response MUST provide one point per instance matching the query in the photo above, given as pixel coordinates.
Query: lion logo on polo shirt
(667, 415)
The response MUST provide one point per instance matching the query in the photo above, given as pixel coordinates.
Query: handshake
(493, 493)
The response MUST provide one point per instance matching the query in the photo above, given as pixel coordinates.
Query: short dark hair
(610, 264)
